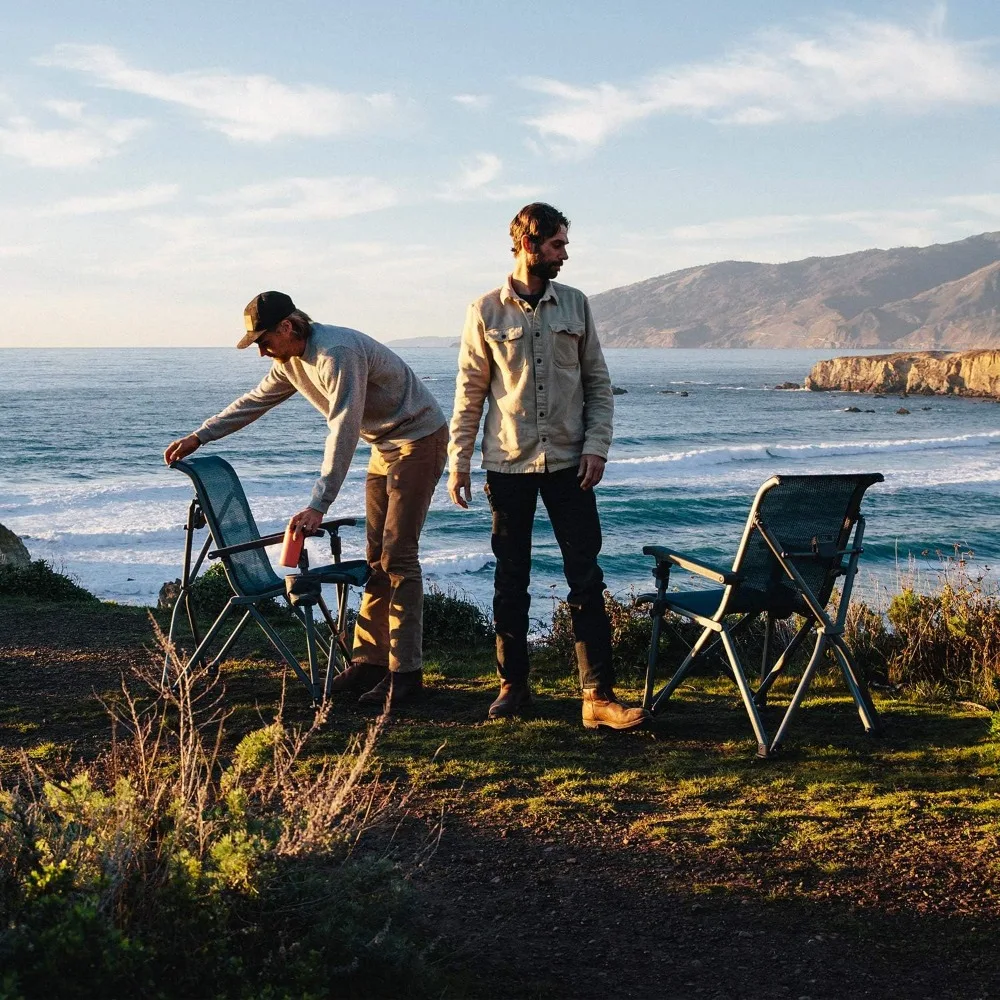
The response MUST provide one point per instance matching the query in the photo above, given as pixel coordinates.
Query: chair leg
(779, 666)
(859, 690)
(682, 670)
(800, 691)
(233, 636)
(199, 653)
(745, 693)
(279, 644)
(768, 637)
(652, 660)
(311, 654)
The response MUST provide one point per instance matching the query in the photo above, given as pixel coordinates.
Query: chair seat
(354, 572)
(745, 601)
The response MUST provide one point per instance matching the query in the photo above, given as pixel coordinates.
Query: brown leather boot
(602, 708)
(514, 698)
(394, 690)
(358, 677)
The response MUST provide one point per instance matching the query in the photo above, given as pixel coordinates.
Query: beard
(547, 270)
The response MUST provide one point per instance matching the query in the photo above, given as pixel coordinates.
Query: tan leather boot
(602, 708)
(513, 699)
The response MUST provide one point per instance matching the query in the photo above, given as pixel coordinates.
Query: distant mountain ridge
(942, 296)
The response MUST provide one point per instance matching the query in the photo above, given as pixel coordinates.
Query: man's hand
(591, 471)
(181, 448)
(306, 521)
(459, 482)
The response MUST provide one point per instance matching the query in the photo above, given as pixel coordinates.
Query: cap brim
(250, 338)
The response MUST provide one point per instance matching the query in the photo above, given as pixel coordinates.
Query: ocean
(82, 478)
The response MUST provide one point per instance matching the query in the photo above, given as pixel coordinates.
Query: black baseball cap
(264, 312)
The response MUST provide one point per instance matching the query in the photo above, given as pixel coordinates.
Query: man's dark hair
(538, 221)
(300, 324)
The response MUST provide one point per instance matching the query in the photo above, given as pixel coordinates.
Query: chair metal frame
(302, 590)
(784, 562)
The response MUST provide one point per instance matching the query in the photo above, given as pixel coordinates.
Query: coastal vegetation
(222, 834)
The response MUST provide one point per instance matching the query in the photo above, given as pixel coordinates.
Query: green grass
(908, 823)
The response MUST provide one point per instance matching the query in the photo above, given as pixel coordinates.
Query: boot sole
(610, 725)
(509, 713)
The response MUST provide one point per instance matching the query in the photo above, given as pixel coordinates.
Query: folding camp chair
(220, 503)
(789, 558)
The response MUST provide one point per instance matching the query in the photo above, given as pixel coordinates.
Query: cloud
(120, 201)
(852, 66)
(475, 102)
(294, 199)
(475, 181)
(984, 204)
(245, 108)
(17, 250)
(85, 140)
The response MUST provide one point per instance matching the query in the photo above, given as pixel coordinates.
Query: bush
(453, 623)
(949, 641)
(40, 582)
(164, 871)
(631, 629)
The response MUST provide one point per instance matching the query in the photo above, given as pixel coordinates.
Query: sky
(162, 163)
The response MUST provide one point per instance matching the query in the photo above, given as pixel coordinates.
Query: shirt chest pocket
(566, 341)
(507, 345)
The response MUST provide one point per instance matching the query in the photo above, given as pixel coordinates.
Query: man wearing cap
(365, 390)
(530, 351)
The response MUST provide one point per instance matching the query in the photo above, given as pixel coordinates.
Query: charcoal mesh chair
(791, 554)
(221, 504)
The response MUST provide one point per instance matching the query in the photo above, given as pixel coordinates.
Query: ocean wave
(437, 564)
(811, 452)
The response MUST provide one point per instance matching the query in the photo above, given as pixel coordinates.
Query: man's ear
(529, 244)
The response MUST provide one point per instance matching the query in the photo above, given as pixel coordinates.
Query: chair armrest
(662, 554)
(257, 543)
(334, 525)
(276, 539)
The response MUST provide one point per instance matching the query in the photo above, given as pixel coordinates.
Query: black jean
(577, 527)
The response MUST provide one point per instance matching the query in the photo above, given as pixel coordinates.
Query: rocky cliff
(945, 296)
(963, 373)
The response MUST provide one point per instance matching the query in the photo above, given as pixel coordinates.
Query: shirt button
(537, 334)
(538, 361)
(544, 440)
(541, 388)
(541, 414)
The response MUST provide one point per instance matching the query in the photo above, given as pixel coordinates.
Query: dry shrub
(170, 862)
(948, 642)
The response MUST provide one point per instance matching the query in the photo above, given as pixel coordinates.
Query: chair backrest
(225, 507)
(804, 514)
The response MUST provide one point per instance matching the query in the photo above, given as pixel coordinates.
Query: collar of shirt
(507, 293)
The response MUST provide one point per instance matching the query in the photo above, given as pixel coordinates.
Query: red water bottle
(291, 546)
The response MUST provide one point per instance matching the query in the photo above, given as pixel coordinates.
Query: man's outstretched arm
(274, 388)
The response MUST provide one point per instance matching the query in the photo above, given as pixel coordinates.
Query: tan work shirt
(543, 375)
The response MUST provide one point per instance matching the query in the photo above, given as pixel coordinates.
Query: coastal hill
(967, 373)
(907, 298)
